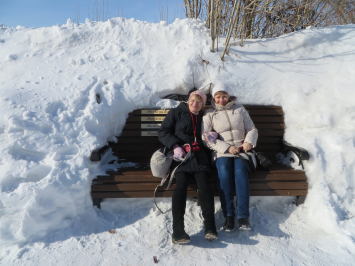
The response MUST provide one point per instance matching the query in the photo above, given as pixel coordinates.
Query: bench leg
(300, 200)
(97, 202)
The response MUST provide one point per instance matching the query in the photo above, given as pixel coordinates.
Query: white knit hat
(220, 87)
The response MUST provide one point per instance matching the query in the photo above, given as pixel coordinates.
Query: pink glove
(210, 136)
(179, 153)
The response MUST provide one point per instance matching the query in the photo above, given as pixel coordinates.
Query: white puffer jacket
(233, 125)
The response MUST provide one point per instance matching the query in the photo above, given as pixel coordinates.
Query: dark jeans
(232, 171)
(205, 195)
(182, 180)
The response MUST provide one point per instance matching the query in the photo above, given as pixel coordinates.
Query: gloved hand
(210, 136)
(179, 153)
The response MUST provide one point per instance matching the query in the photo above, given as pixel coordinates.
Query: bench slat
(255, 109)
(130, 155)
(154, 133)
(155, 146)
(149, 194)
(142, 140)
(143, 170)
(193, 186)
(141, 126)
(148, 178)
(262, 119)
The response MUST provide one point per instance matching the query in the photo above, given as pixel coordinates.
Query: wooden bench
(139, 140)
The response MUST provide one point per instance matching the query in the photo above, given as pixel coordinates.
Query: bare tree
(250, 19)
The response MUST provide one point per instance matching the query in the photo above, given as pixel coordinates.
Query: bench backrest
(139, 137)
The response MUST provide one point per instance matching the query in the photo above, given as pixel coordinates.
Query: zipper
(230, 130)
(230, 126)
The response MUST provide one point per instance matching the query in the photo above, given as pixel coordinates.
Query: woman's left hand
(247, 146)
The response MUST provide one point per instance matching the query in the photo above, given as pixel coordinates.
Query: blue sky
(47, 13)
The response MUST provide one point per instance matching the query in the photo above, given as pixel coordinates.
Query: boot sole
(211, 236)
(182, 241)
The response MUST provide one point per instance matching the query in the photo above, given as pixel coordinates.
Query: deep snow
(50, 123)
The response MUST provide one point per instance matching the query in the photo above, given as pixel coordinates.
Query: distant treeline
(250, 19)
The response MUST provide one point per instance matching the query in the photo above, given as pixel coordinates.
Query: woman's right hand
(233, 150)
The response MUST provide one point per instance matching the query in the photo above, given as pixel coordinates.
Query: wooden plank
(147, 160)
(295, 192)
(150, 112)
(149, 194)
(262, 107)
(154, 133)
(143, 153)
(112, 178)
(138, 126)
(265, 112)
(261, 177)
(193, 186)
(259, 109)
(149, 133)
(280, 126)
(278, 185)
(276, 139)
(155, 146)
(142, 140)
(274, 169)
(149, 126)
(256, 119)
(154, 112)
(131, 119)
(267, 119)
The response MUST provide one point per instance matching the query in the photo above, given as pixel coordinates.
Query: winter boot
(228, 223)
(178, 209)
(244, 224)
(180, 237)
(207, 205)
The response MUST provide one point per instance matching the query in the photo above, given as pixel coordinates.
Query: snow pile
(51, 121)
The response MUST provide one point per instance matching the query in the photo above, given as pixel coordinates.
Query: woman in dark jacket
(180, 129)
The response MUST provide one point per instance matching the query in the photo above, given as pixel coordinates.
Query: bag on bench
(160, 165)
(160, 162)
(254, 159)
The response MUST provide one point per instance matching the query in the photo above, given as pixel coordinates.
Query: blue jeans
(232, 172)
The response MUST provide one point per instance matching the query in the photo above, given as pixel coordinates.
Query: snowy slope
(50, 123)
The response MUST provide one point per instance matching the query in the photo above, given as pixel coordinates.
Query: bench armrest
(301, 153)
(96, 155)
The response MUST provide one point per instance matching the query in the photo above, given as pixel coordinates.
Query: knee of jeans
(223, 170)
(240, 169)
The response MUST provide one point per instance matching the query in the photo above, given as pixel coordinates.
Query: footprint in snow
(20, 153)
(65, 153)
(55, 108)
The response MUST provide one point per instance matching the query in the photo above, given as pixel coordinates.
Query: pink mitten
(210, 136)
(179, 153)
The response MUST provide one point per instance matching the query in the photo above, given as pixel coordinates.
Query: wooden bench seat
(139, 140)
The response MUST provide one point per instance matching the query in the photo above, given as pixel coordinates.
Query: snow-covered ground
(50, 121)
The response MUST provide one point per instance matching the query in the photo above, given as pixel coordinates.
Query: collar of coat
(232, 100)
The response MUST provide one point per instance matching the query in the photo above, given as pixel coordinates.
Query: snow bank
(51, 120)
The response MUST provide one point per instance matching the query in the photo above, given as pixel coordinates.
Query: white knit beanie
(220, 87)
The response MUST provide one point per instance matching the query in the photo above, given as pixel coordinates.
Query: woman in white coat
(227, 129)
